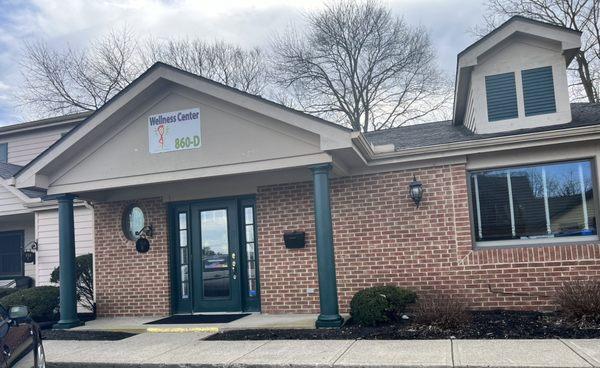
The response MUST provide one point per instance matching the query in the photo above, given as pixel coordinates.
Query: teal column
(66, 245)
(328, 298)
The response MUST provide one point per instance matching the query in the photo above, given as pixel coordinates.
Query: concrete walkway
(254, 320)
(189, 350)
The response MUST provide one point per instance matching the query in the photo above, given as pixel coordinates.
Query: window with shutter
(538, 91)
(501, 96)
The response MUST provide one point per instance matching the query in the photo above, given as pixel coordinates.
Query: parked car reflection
(20, 340)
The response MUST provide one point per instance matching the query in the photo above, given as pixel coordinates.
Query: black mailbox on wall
(294, 239)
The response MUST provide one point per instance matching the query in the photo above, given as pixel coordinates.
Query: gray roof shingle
(442, 132)
(8, 170)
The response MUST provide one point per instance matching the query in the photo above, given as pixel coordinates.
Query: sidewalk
(188, 350)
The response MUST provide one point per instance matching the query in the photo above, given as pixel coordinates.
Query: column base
(67, 324)
(329, 321)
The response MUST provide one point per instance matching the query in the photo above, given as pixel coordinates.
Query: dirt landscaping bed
(84, 335)
(483, 325)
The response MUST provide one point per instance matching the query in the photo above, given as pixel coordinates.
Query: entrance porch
(205, 254)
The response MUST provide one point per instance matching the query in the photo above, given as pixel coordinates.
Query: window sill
(539, 242)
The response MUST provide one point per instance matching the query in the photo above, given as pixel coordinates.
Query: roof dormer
(515, 77)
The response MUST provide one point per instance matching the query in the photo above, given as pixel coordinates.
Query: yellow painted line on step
(182, 329)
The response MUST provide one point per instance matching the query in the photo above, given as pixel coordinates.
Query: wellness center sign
(174, 131)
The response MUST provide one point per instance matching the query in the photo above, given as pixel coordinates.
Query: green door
(215, 257)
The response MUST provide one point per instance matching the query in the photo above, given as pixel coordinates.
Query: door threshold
(212, 313)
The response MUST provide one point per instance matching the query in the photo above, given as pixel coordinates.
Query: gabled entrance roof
(150, 85)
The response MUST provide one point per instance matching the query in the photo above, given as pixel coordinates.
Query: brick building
(224, 186)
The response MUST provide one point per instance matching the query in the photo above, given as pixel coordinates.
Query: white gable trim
(6, 184)
(331, 136)
(570, 41)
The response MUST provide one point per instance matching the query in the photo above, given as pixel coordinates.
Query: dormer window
(501, 94)
(538, 91)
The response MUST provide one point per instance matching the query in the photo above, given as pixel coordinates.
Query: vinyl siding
(10, 204)
(501, 94)
(24, 147)
(47, 235)
(470, 117)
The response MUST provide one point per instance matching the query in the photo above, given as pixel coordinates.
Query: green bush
(84, 274)
(42, 302)
(380, 304)
(4, 291)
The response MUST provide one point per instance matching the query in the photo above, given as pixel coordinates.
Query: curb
(182, 329)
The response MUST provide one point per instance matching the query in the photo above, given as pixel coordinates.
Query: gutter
(374, 156)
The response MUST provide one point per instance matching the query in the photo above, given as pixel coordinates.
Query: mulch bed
(483, 325)
(84, 335)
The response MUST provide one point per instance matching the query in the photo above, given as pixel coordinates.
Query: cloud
(244, 22)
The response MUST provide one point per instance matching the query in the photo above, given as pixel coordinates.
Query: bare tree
(225, 63)
(59, 82)
(580, 15)
(358, 64)
(71, 80)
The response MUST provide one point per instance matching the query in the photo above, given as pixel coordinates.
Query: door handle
(6, 351)
(233, 265)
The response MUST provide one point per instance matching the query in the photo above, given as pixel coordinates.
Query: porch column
(328, 298)
(66, 245)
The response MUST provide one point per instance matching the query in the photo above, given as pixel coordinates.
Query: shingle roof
(441, 132)
(8, 170)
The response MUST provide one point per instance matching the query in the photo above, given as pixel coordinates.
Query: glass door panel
(215, 247)
(214, 237)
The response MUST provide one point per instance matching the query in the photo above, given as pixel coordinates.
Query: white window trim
(541, 240)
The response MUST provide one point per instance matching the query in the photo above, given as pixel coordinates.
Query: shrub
(4, 291)
(441, 311)
(580, 300)
(380, 304)
(42, 302)
(84, 271)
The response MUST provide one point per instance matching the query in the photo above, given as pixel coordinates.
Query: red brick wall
(129, 283)
(381, 238)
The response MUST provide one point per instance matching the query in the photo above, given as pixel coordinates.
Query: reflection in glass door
(214, 237)
(215, 247)
(215, 256)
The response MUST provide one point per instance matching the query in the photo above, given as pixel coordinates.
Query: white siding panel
(10, 204)
(47, 235)
(24, 147)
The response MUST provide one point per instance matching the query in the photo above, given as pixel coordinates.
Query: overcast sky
(245, 22)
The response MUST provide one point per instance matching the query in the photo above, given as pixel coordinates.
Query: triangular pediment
(173, 126)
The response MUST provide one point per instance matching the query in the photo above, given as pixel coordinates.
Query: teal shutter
(501, 93)
(4, 152)
(538, 91)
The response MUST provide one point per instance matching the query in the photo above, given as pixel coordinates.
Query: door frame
(21, 234)
(185, 306)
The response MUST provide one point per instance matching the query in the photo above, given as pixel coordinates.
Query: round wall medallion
(133, 221)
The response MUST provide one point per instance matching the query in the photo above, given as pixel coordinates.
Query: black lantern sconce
(416, 191)
(29, 252)
(142, 244)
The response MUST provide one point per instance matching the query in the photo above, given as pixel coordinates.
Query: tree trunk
(584, 74)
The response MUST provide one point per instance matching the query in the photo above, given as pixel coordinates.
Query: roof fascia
(43, 124)
(482, 145)
(332, 136)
